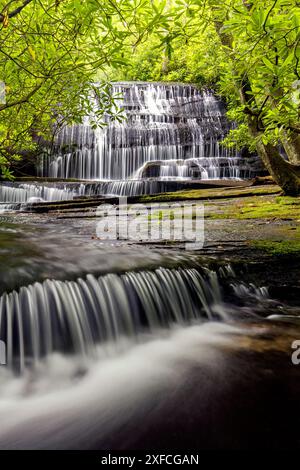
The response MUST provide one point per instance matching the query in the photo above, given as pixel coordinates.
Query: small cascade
(163, 122)
(9, 207)
(13, 196)
(75, 316)
(172, 169)
(15, 193)
(245, 291)
(131, 187)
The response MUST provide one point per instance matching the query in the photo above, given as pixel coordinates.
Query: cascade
(13, 195)
(75, 316)
(163, 122)
(22, 192)
(170, 132)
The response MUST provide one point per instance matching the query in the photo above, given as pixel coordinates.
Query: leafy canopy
(50, 54)
(52, 51)
(224, 45)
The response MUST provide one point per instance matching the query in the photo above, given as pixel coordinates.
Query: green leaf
(268, 64)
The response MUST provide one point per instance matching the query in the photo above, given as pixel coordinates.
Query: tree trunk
(291, 146)
(284, 173)
(291, 143)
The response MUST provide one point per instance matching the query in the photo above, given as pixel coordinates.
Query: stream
(122, 346)
(115, 344)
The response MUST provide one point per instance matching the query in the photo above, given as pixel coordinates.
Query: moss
(163, 214)
(277, 248)
(202, 194)
(260, 208)
(287, 244)
(288, 200)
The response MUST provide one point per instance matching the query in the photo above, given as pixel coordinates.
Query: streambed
(219, 377)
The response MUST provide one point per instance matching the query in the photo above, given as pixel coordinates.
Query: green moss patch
(259, 208)
(277, 248)
(203, 194)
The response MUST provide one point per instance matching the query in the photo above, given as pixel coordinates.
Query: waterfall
(20, 193)
(9, 207)
(75, 316)
(173, 169)
(14, 195)
(163, 122)
(170, 132)
(130, 187)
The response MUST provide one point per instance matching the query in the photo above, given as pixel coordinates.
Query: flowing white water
(75, 316)
(92, 360)
(9, 207)
(71, 403)
(170, 132)
(12, 195)
(164, 122)
(21, 193)
(181, 169)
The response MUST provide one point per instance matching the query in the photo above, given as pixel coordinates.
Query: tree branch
(267, 17)
(16, 11)
(22, 100)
